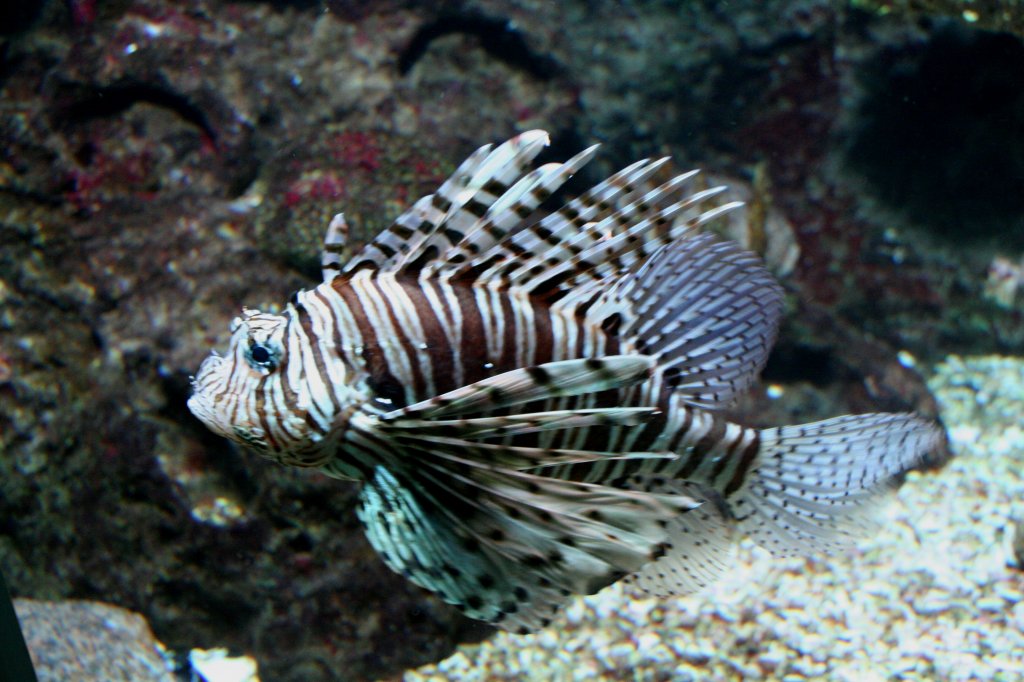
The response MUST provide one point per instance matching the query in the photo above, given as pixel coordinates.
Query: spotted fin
(816, 487)
(565, 251)
(700, 544)
(509, 212)
(509, 547)
(335, 251)
(519, 424)
(441, 424)
(552, 379)
(480, 226)
(706, 308)
(438, 221)
(460, 450)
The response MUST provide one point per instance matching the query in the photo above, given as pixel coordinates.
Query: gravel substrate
(934, 595)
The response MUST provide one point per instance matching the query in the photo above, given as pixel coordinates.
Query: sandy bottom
(934, 595)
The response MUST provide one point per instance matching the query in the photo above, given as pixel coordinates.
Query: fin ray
(519, 424)
(701, 543)
(507, 214)
(816, 487)
(415, 224)
(509, 547)
(708, 310)
(335, 249)
(464, 451)
(560, 378)
(438, 221)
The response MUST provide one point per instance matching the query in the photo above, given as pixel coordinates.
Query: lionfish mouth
(204, 387)
(208, 374)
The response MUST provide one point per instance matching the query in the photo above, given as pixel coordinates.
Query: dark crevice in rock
(16, 17)
(497, 36)
(282, 5)
(936, 129)
(32, 195)
(79, 104)
(792, 362)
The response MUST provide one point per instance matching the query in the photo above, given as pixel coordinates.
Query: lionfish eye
(261, 357)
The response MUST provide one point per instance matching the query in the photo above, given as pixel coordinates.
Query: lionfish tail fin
(818, 487)
(707, 309)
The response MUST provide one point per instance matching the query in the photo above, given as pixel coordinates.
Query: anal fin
(700, 544)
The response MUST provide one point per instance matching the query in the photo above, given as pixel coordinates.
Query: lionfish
(529, 398)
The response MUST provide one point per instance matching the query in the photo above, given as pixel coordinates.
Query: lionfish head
(247, 395)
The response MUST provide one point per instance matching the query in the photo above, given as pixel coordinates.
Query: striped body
(410, 340)
(527, 398)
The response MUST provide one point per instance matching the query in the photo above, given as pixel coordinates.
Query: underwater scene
(511, 340)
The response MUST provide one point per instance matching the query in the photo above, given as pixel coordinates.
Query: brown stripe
(318, 359)
(542, 193)
(439, 202)
(749, 456)
(702, 447)
(551, 289)
(373, 357)
(494, 187)
(312, 423)
(543, 335)
(544, 234)
(237, 365)
(397, 229)
(360, 455)
(656, 426)
(505, 319)
(386, 250)
(515, 249)
(683, 431)
(291, 398)
(470, 274)
(355, 307)
(442, 354)
(720, 465)
(339, 342)
(415, 386)
(453, 235)
(472, 354)
(494, 231)
(261, 414)
(475, 207)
